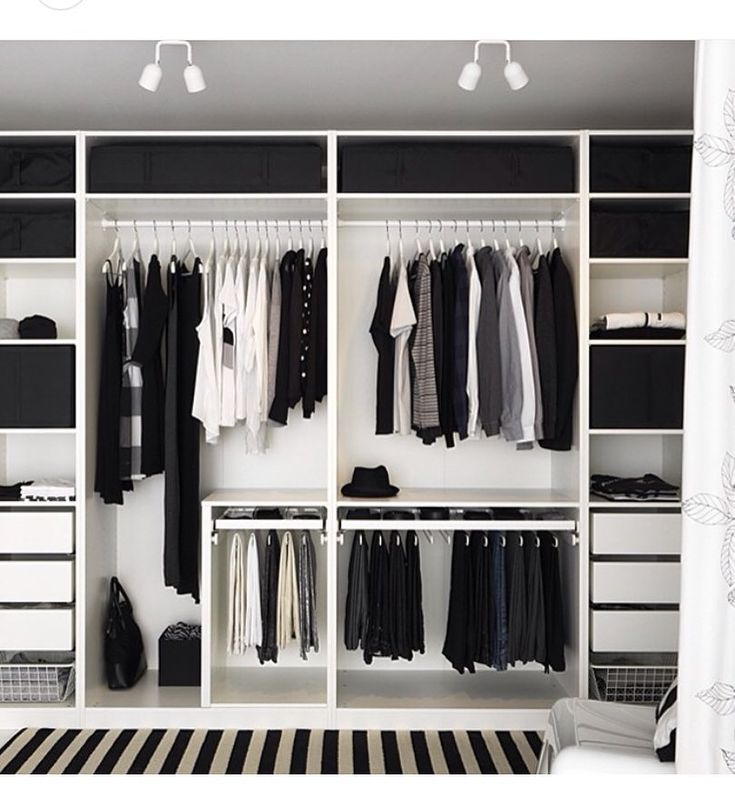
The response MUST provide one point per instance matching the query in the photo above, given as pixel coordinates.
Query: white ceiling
(346, 85)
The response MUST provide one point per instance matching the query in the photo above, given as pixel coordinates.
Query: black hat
(364, 514)
(267, 513)
(434, 514)
(399, 516)
(367, 482)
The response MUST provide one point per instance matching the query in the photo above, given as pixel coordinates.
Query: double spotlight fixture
(152, 73)
(471, 73)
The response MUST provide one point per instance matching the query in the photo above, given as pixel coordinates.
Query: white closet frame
(147, 705)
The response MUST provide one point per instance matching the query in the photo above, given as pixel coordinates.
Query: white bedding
(597, 737)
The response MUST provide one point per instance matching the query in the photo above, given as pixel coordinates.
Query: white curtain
(706, 734)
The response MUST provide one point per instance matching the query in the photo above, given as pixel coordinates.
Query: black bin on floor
(179, 662)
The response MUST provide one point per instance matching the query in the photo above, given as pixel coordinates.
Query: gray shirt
(524, 265)
(488, 347)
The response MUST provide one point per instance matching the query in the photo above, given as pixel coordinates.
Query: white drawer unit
(37, 581)
(37, 629)
(36, 532)
(636, 534)
(633, 582)
(634, 630)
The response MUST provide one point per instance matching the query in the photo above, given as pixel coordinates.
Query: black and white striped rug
(274, 751)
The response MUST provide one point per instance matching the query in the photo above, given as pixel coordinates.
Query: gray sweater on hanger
(488, 347)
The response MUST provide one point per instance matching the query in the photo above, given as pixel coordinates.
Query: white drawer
(636, 534)
(36, 532)
(634, 630)
(34, 629)
(36, 581)
(635, 583)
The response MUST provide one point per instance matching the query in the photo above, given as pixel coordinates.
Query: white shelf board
(37, 261)
(37, 269)
(636, 431)
(636, 267)
(634, 343)
(276, 686)
(421, 689)
(146, 694)
(37, 431)
(267, 497)
(648, 505)
(44, 505)
(41, 342)
(36, 196)
(641, 196)
(470, 498)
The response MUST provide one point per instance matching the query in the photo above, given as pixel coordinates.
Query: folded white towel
(621, 320)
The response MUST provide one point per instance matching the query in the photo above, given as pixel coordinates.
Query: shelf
(232, 498)
(37, 431)
(467, 498)
(642, 196)
(270, 685)
(636, 267)
(648, 505)
(636, 431)
(146, 694)
(41, 342)
(421, 689)
(36, 196)
(634, 343)
(36, 505)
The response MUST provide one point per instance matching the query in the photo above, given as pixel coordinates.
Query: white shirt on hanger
(402, 321)
(473, 383)
(228, 301)
(206, 402)
(253, 616)
(236, 597)
(241, 282)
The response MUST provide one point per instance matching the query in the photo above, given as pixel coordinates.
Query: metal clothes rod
(299, 224)
(497, 525)
(437, 225)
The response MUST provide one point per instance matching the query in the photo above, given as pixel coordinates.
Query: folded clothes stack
(639, 325)
(648, 487)
(48, 490)
(182, 631)
(12, 493)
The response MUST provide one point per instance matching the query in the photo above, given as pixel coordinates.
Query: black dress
(306, 364)
(107, 470)
(147, 354)
(385, 345)
(182, 522)
(279, 408)
(268, 651)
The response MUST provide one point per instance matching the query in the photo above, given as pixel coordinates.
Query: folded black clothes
(37, 327)
(638, 334)
(182, 631)
(12, 493)
(646, 487)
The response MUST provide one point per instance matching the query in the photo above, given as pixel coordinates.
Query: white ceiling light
(61, 5)
(471, 73)
(150, 78)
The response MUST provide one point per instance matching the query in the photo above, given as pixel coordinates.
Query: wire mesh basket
(23, 680)
(632, 684)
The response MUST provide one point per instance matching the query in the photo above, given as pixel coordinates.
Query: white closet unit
(307, 462)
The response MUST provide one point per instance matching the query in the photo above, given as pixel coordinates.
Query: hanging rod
(493, 525)
(299, 224)
(459, 224)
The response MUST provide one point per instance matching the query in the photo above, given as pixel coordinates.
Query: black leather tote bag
(125, 659)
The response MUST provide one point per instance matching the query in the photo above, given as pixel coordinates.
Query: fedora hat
(369, 482)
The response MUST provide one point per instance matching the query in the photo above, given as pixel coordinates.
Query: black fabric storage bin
(179, 662)
(37, 386)
(35, 168)
(456, 167)
(653, 168)
(37, 232)
(639, 233)
(205, 168)
(636, 386)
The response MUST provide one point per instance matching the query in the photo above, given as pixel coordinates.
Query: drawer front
(41, 532)
(37, 630)
(634, 630)
(635, 583)
(636, 534)
(37, 581)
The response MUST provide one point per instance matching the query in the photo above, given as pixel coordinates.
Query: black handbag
(125, 659)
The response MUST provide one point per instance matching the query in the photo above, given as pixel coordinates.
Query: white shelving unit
(308, 461)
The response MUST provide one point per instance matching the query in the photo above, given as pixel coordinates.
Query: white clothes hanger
(114, 254)
(301, 236)
(172, 266)
(211, 255)
(290, 237)
(137, 253)
(507, 239)
(419, 247)
(190, 250)
(323, 243)
(258, 244)
(482, 234)
(495, 239)
(310, 250)
(267, 244)
(520, 231)
(442, 247)
(456, 239)
(469, 240)
(278, 245)
(400, 243)
(432, 251)
(554, 241)
(387, 239)
(156, 241)
(238, 246)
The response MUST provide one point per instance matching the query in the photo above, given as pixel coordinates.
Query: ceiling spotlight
(61, 5)
(150, 78)
(471, 73)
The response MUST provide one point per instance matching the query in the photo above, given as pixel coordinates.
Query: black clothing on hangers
(268, 650)
(545, 334)
(461, 611)
(535, 646)
(147, 354)
(397, 607)
(446, 403)
(356, 608)
(553, 607)
(414, 596)
(437, 327)
(306, 365)
(279, 408)
(107, 470)
(296, 329)
(481, 582)
(385, 345)
(461, 339)
(319, 349)
(377, 643)
(515, 574)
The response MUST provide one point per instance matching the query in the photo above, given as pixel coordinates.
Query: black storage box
(629, 232)
(36, 386)
(654, 168)
(40, 231)
(34, 168)
(456, 167)
(205, 168)
(179, 662)
(637, 386)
